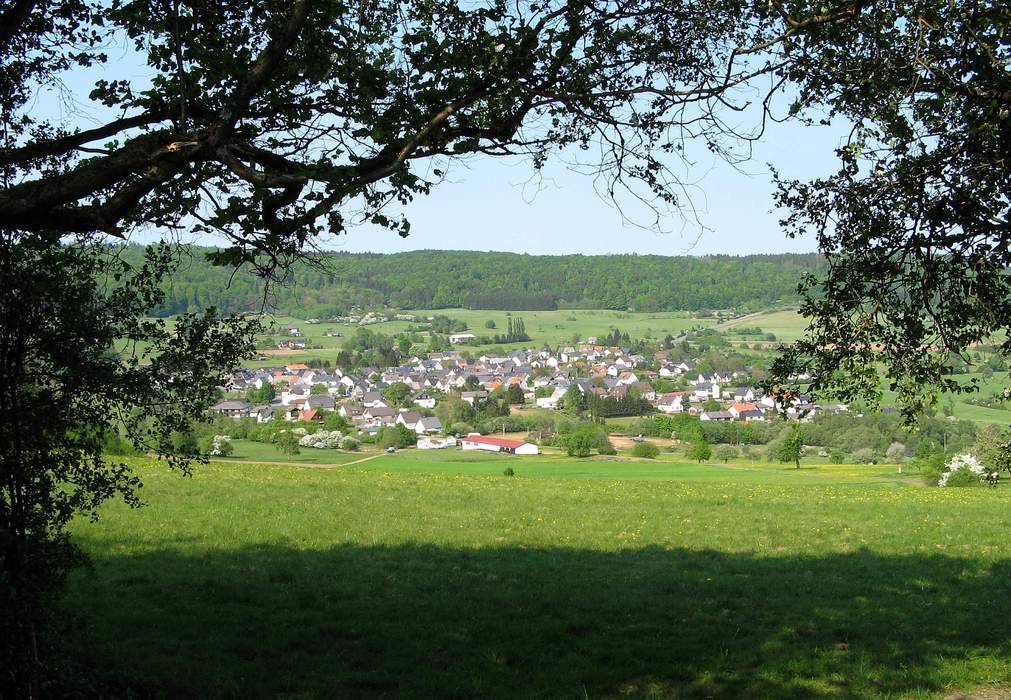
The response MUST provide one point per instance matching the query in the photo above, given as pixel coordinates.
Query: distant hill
(434, 279)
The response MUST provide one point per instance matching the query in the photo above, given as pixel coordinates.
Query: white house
(424, 399)
(432, 443)
(461, 338)
(495, 444)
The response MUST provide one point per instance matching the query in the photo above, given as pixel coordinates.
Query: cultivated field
(433, 575)
(543, 327)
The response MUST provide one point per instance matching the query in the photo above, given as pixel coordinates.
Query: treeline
(435, 279)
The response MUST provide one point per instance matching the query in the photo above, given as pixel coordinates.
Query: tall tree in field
(792, 448)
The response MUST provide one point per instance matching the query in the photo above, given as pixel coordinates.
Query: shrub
(700, 451)
(645, 449)
(865, 455)
(508, 472)
(322, 439)
(963, 470)
(396, 436)
(895, 452)
(286, 442)
(349, 443)
(725, 453)
(836, 457)
(580, 442)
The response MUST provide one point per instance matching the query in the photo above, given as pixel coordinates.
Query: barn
(494, 444)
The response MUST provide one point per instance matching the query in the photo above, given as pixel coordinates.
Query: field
(543, 327)
(433, 575)
(787, 325)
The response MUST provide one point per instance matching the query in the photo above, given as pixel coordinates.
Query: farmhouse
(461, 338)
(494, 444)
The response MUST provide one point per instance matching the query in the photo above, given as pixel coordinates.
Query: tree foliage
(81, 361)
(916, 224)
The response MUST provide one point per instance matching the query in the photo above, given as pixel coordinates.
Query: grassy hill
(411, 576)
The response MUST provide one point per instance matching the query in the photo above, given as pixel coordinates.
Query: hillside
(437, 279)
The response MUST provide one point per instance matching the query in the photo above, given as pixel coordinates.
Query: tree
(396, 436)
(725, 453)
(700, 451)
(472, 383)
(581, 441)
(318, 389)
(573, 402)
(895, 452)
(205, 135)
(914, 225)
(64, 386)
(397, 394)
(792, 447)
(490, 323)
(646, 450)
(264, 394)
(286, 442)
(514, 394)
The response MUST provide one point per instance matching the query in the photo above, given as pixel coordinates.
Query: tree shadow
(424, 621)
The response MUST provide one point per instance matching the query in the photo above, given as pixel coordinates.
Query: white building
(461, 338)
(495, 444)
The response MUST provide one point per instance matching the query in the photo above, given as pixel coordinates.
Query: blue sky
(491, 204)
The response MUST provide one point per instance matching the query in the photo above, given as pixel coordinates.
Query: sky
(492, 204)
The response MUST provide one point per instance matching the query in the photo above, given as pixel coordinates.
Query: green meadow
(434, 575)
(543, 327)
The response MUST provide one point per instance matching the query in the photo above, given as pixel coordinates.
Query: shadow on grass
(427, 621)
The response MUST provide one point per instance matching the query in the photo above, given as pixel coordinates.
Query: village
(592, 375)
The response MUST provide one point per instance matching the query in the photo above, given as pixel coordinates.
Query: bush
(646, 450)
(963, 470)
(700, 451)
(580, 442)
(895, 452)
(287, 442)
(322, 439)
(508, 472)
(725, 453)
(349, 443)
(836, 457)
(865, 455)
(397, 436)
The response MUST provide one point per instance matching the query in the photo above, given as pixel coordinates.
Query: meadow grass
(544, 328)
(433, 575)
(788, 325)
(250, 451)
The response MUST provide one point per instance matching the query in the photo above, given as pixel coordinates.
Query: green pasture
(250, 451)
(544, 327)
(787, 325)
(434, 576)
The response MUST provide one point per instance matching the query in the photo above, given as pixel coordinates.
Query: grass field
(544, 327)
(787, 325)
(424, 576)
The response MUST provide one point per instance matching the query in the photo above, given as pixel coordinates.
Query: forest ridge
(437, 279)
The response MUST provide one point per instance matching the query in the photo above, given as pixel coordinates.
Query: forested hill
(433, 279)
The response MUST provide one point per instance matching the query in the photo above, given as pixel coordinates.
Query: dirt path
(304, 465)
